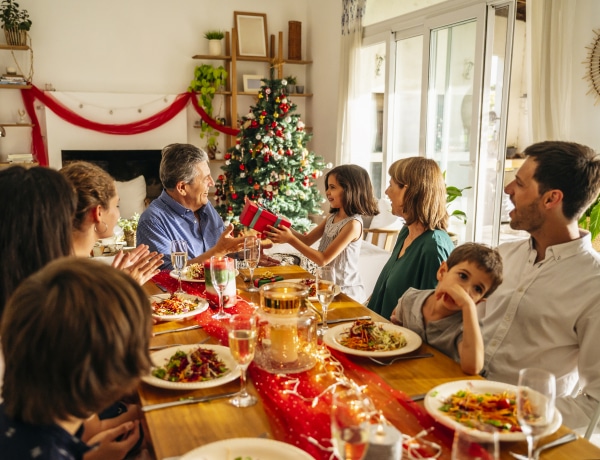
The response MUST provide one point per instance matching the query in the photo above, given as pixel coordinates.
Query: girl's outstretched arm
(349, 233)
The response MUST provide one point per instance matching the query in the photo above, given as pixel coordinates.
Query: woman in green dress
(418, 194)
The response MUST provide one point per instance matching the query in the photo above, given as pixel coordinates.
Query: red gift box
(258, 218)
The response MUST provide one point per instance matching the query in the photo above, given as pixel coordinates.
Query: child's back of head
(75, 337)
(486, 258)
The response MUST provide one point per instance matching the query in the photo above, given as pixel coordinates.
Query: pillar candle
(385, 443)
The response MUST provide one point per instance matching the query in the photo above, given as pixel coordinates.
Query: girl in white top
(350, 194)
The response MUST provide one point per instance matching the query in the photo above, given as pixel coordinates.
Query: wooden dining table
(177, 430)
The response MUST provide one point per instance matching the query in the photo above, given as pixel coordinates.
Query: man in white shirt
(546, 313)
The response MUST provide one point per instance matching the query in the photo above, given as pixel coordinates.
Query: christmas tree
(270, 163)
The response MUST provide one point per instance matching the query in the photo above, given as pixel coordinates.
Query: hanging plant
(207, 81)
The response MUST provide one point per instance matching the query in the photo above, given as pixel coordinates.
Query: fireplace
(123, 165)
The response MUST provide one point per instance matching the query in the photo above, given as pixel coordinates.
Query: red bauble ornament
(227, 156)
(234, 196)
(254, 124)
(242, 167)
(221, 178)
(250, 180)
(263, 113)
(274, 124)
(229, 208)
(256, 186)
(292, 179)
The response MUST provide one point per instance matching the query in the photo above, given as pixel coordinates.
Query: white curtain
(349, 111)
(549, 46)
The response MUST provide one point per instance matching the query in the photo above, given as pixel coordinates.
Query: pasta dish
(365, 335)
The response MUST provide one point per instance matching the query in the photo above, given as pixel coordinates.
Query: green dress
(417, 268)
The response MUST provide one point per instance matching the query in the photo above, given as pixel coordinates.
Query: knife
(344, 320)
(188, 401)
(188, 328)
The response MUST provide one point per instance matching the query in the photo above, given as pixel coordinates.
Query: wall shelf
(230, 60)
(17, 125)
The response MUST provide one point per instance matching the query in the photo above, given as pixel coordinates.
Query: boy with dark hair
(75, 337)
(446, 318)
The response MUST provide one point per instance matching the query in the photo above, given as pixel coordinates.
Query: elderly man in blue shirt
(183, 210)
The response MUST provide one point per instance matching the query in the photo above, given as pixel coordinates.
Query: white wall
(584, 116)
(145, 47)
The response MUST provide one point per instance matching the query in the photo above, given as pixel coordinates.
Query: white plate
(301, 281)
(256, 448)
(413, 341)
(160, 358)
(202, 306)
(184, 277)
(436, 397)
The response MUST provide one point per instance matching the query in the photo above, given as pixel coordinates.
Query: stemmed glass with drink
(325, 287)
(222, 270)
(350, 424)
(536, 395)
(242, 342)
(179, 257)
(252, 257)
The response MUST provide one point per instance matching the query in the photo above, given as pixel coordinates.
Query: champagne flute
(179, 257)
(252, 257)
(222, 270)
(325, 287)
(350, 414)
(242, 342)
(475, 445)
(536, 395)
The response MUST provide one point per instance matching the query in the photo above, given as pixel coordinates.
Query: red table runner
(298, 405)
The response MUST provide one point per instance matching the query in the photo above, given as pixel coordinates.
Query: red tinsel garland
(38, 149)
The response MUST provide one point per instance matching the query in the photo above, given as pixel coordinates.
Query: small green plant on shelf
(207, 81)
(291, 80)
(12, 17)
(214, 35)
(590, 219)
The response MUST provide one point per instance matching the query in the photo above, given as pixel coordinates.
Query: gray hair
(178, 164)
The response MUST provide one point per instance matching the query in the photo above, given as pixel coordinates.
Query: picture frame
(252, 83)
(251, 33)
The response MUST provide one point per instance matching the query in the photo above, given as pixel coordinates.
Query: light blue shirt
(166, 220)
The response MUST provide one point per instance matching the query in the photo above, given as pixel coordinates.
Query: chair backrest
(389, 236)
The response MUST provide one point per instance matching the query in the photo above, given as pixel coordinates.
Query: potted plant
(590, 219)
(129, 227)
(290, 84)
(207, 80)
(214, 38)
(15, 22)
(452, 193)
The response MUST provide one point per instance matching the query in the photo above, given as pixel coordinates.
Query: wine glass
(242, 342)
(251, 257)
(475, 445)
(536, 395)
(179, 257)
(350, 414)
(222, 270)
(325, 287)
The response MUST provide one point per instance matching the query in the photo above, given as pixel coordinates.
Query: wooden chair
(390, 235)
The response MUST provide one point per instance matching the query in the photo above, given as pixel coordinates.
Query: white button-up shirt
(547, 315)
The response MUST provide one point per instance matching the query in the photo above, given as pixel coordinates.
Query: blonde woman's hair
(425, 196)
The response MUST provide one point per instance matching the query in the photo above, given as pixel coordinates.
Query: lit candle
(385, 443)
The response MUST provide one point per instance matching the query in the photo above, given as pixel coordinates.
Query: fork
(399, 358)
(557, 442)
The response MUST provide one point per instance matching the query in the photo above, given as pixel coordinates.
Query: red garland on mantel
(147, 124)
